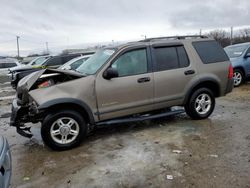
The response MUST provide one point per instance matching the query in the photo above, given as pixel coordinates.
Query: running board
(141, 118)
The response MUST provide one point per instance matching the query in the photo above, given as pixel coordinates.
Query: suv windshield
(95, 62)
(236, 51)
(38, 61)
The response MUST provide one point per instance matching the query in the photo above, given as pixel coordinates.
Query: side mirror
(247, 55)
(110, 73)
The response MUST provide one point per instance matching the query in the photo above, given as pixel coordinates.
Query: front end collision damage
(25, 108)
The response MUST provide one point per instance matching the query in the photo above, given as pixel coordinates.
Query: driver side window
(132, 63)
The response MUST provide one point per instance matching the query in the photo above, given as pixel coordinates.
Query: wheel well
(213, 86)
(241, 69)
(71, 106)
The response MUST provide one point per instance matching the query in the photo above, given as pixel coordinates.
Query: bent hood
(25, 84)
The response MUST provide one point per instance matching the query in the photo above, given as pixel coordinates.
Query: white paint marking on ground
(7, 97)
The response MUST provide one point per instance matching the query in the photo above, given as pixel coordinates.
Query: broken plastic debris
(170, 177)
(26, 178)
(177, 151)
(215, 156)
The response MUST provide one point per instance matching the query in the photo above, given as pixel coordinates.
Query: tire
(206, 104)
(238, 77)
(63, 130)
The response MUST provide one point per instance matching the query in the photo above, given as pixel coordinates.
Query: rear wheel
(238, 77)
(201, 104)
(63, 130)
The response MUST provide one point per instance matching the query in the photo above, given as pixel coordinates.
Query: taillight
(230, 72)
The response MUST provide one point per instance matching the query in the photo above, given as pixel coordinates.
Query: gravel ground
(171, 152)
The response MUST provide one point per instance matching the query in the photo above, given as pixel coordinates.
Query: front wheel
(63, 130)
(201, 104)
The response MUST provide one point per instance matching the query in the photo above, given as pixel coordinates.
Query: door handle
(188, 72)
(142, 80)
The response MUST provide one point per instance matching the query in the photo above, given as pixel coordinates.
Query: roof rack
(174, 37)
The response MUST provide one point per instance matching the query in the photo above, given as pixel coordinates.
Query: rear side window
(183, 58)
(168, 58)
(210, 51)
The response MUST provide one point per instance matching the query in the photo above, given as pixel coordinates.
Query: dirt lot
(210, 153)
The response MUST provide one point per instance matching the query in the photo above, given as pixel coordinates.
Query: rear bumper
(230, 86)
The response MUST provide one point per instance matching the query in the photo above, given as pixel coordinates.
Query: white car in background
(73, 64)
(6, 64)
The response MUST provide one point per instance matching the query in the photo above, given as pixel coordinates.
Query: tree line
(224, 37)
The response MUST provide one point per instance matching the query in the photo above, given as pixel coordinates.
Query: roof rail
(174, 37)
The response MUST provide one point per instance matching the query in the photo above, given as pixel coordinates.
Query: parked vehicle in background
(35, 63)
(5, 163)
(6, 64)
(27, 60)
(53, 62)
(132, 82)
(73, 64)
(239, 55)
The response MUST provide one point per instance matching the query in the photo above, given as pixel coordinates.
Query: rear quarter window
(210, 52)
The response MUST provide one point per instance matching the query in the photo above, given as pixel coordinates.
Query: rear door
(130, 93)
(172, 73)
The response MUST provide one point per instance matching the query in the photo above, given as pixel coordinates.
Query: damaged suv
(132, 82)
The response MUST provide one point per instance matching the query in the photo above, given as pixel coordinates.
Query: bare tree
(220, 36)
(245, 32)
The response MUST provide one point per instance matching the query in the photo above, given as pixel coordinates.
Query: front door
(132, 91)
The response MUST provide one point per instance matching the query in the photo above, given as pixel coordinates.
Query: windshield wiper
(84, 74)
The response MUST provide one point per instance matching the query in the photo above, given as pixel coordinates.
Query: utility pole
(200, 32)
(17, 42)
(231, 37)
(47, 47)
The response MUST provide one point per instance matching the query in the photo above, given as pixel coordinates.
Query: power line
(17, 42)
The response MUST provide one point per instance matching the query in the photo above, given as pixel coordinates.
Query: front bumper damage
(21, 115)
(16, 120)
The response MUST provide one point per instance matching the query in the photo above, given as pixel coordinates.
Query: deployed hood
(28, 81)
(43, 78)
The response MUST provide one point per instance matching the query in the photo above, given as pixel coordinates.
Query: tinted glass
(166, 58)
(68, 58)
(9, 65)
(54, 61)
(210, 51)
(132, 63)
(1, 66)
(183, 58)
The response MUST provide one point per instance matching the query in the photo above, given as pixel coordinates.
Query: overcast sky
(63, 23)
